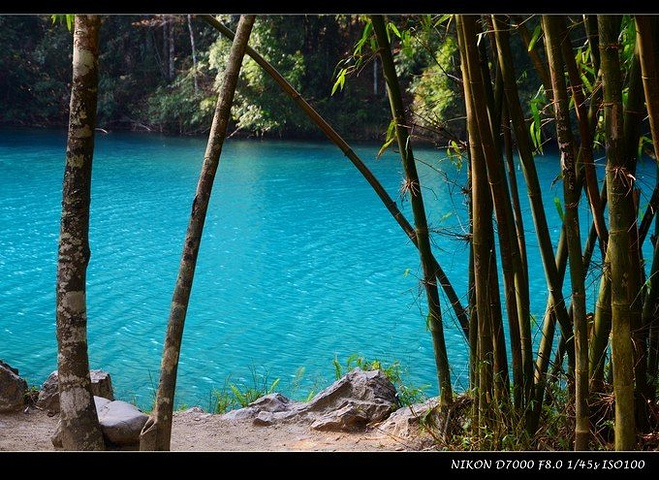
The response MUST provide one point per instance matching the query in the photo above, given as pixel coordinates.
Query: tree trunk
(156, 434)
(551, 25)
(78, 421)
(194, 55)
(418, 210)
(171, 68)
(621, 219)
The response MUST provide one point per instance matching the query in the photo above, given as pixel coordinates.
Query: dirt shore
(196, 431)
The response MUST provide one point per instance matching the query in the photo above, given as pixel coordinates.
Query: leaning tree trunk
(551, 25)
(418, 210)
(389, 203)
(621, 218)
(156, 433)
(78, 421)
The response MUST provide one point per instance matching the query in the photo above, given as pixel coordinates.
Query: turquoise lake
(300, 262)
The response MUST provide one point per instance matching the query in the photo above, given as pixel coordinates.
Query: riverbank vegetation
(493, 90)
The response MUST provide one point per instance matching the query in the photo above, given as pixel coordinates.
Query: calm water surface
(300, 262)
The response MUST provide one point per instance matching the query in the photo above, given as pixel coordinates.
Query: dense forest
(160, 73)
(493, 90)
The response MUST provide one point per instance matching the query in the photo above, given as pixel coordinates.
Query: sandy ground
(195, 431)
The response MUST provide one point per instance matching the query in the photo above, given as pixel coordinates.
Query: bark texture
(79, 425)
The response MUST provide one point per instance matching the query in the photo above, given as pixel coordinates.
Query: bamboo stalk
(418, 209)
(646, 28)
(618, 189)
(481, 215)
(534, 190)
(553, 39)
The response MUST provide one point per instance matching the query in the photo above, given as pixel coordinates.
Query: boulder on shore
(351, 403)
(12, 389)
(121, 424)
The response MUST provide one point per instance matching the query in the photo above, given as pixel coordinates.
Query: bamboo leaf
(384, 147)
(389, 139)
(340, 81)
(395, 30)
(559, 208)
(68, 18)
(443, 18)
(366, 34)
(535, 37)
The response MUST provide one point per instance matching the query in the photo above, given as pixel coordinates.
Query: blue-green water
(300, 262)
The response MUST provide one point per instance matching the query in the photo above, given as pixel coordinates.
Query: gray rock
(419, 426)
(121, 422)
(356, 400)
(351, 403)
(262, 409)
(12, 389)
(49, 394)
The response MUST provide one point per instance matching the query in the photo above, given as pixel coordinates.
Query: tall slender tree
(481, 240)
(156, 434)
(552, 26)
(413, 186)
(621, 220)
(78, 419)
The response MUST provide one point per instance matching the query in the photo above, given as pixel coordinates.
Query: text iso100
(623, 464)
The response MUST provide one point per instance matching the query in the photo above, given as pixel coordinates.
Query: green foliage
(239, 395)
(437, 96)
(177, 108)
(68, 19)
(353, 63)
(35, 69)
(537, 105)
(32, 395)
(537, 31)
(559, 208)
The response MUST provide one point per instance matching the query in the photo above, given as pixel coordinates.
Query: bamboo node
(613, 46)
